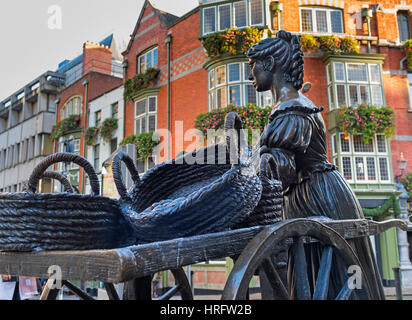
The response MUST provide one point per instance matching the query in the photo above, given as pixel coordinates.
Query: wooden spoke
(77, 291)
(279, 290)
(322, 283)
(111, 291)
(345, 293)
(302, 281)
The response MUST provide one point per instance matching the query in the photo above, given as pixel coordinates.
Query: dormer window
(321, 20)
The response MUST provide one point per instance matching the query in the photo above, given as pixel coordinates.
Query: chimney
(97, 58)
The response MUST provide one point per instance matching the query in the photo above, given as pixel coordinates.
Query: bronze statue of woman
(296, 138)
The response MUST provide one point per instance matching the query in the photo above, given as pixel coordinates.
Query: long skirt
(328, 194)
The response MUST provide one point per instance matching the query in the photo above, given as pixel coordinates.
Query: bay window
(146, 115)
(229, 84)
(321, 20)
(351, 84)
(360, 162)
(238, 14)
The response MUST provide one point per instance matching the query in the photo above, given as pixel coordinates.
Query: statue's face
(260, 74)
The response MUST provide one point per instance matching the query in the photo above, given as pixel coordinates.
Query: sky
(34, 40)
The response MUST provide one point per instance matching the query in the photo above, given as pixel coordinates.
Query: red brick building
(87, 77)
(190, 82)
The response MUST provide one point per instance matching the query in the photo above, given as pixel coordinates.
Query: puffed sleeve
(285, 135)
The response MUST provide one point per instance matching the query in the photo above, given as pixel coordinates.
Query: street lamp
(402, 162)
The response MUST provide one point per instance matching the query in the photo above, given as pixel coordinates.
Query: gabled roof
(165, 17)
(68, 64)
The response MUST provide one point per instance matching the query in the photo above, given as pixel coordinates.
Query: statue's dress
(296, 138)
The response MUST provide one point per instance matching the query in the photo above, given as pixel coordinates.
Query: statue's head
(276, 61)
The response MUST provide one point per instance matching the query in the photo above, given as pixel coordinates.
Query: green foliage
(335, 45)
(232, 41)
(408, 50)
(108, 127)
(252, 118)
(407, 183)
(145, 144)
(309, 42)
(383, 211)
(367, 120)
(141, 81)
(91, 135)
(65, 126)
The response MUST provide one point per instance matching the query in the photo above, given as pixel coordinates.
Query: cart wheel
(301, 283)
(182, 285)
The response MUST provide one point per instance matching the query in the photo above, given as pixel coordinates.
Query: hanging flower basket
(139, 82)
(65, 126)
(145, 144)
(108, 127)
(91, 135)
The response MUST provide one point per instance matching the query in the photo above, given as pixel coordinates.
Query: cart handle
(236, 141)
(41, 168)
(118, 177)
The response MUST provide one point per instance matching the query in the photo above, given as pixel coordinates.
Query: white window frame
(146, 114)
(203, 20)
(234, 14)
(328, 19)
(250, 14)
(230, 15)
(144, 55)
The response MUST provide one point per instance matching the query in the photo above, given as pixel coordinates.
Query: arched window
(403, 25)
(71, 107)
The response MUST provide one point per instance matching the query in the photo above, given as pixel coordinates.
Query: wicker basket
(179, 198)
(269, 209)
(67, 221)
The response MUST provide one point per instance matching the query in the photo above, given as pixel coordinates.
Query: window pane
(377, 98)
(138, 126)
(336, 21)
(209, 18)
(360, 168)
(144, 124)
(340, 72)
(375, 73)
(212, 100)
(152, 104)
(155, 57)
(331, 98)
(224, 17)
(256, 7)
(149, 59)
(306, 20)
(266, 99)
(334, 144)
(140, 166)
(142, 65)
(360, 146)
(381, 141)
(250, 94)
(240, 14)
(347, 168)
(247, 71)
(383, 169)
(364, 94)
(353, 95)
(234, 72)
(221, 98)
(357, 72)
(140, 107)
(344, 143)
(341, 93)
(212, 79)
(152, 123)
(403, 26)
(321, 21)
(370, 165)
(234, 92)
(221, 75)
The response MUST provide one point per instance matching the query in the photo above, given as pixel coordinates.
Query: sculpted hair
(286, 50)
